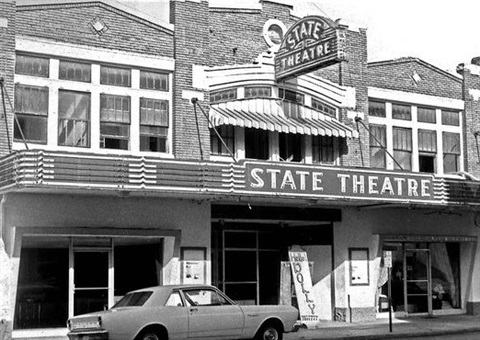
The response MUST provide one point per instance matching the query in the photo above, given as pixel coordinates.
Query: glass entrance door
(417, 283)
(92, 280)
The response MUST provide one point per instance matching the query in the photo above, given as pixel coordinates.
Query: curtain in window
(427, 141)
(32, 100)
(402, 139)
(115, 109)
(443, 278)
(451, 143)
(153, 112)
(401, 112)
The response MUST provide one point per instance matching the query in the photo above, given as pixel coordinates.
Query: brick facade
(7, 68)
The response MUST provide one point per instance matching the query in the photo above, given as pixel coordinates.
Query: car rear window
(134, 299)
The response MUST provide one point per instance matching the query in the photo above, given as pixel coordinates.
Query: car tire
(269, 332)
(148, 335)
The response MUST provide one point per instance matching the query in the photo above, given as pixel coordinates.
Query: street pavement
(417, 326)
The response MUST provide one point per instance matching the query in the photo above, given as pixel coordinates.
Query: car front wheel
(269, 333)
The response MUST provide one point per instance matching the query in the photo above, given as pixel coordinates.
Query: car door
(211, 316)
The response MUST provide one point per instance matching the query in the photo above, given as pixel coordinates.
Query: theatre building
(231, 146)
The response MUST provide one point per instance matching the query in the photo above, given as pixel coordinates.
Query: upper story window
(70, 70)
(258, 92)
(327, 109)
(114, 122)
(376, 108)
(73, 118)
(451, 152)
(154, 122)
(450, 118)
(427, 147)
(222, 96)
(378, 142)
(32, 66)
(227, 134)
(291, 96)
(323, 150)
(426, 115)
(115, 76)
(402, 148)
(291, 147)
(256, 144)
(400, 111)
(31, 111)
(154, 81)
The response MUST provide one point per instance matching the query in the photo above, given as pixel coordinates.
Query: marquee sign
(311, 43)
(338, 183)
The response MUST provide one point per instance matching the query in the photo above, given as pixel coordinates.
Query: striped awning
(276, 115)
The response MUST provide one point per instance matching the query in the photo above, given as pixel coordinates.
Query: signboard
(345, 183)
(311, 43)
(303, 286)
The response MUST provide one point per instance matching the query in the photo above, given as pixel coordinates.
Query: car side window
(174, 300)
(203, 297)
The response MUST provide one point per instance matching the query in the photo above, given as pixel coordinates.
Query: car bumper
(88, 335)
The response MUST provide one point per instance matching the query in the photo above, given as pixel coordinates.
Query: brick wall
(471, 120)
(397, 75)
(7, 67)
(70, 23)
(191, 138)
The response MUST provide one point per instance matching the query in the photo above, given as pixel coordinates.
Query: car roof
(171, 287)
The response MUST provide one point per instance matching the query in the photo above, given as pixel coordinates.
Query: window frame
(87, 120)
(19, 71)
(103, 76)
(165, 127)
(30, 115)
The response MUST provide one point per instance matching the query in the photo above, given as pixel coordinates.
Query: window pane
(74, 71)
(451, 143)
(115, 76)
(376, 109)
(227, 133)
(153, 81)
(291, 96)
(114, 136)
(256, 144)
(114, 109)
(32, 66)
(377, 158)
(154, 112)
(73, 118)
(426, 115)
(378, 139)
(291, 147)
(450, 163)
(322, 149)
(324, 108)
(31, 99)
(450, 118)
(34, 128)
(426, 163)
(401, 112)
(427, 140)
(258, 92)
(225, 95)
(153, 138)
(402, 139)
(404, 158)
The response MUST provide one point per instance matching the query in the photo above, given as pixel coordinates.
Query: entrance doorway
(425, 276)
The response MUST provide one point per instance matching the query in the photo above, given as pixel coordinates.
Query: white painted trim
(95, 54)
(415, 98)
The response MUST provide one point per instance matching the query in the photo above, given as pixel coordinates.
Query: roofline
(404, 60)
(112, 3)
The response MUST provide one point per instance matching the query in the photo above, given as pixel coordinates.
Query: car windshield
(133, 299)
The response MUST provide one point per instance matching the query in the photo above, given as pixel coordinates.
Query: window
(154, 122)
(402, 148)
(378, 142)
(227, 132)
(174, 300)
(31, 111)
(258, 92)
(115, 76)
(70, 70)
(222, 96)
(324, 108)
(137, 299)
(291, 147)
(322, 149)
(376, 109)
(426, 115)
(427, 147)
(114, 122)
(153, 81)
(450, 118)
(451, 152)
(256, 144)
(32, 66)
(73, 118)
(204, 297)
(291, 96)
(400, 111)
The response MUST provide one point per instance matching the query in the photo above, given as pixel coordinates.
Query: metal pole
(390, 299)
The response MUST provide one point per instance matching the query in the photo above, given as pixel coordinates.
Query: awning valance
(277, 115)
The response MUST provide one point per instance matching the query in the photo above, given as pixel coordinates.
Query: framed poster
(193, 265)
(359, 267)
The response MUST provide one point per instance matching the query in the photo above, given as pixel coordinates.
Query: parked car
(182, 312)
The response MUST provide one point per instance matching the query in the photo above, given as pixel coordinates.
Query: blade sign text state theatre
(311, 43)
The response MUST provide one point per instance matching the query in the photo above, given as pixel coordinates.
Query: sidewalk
(419, 326)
